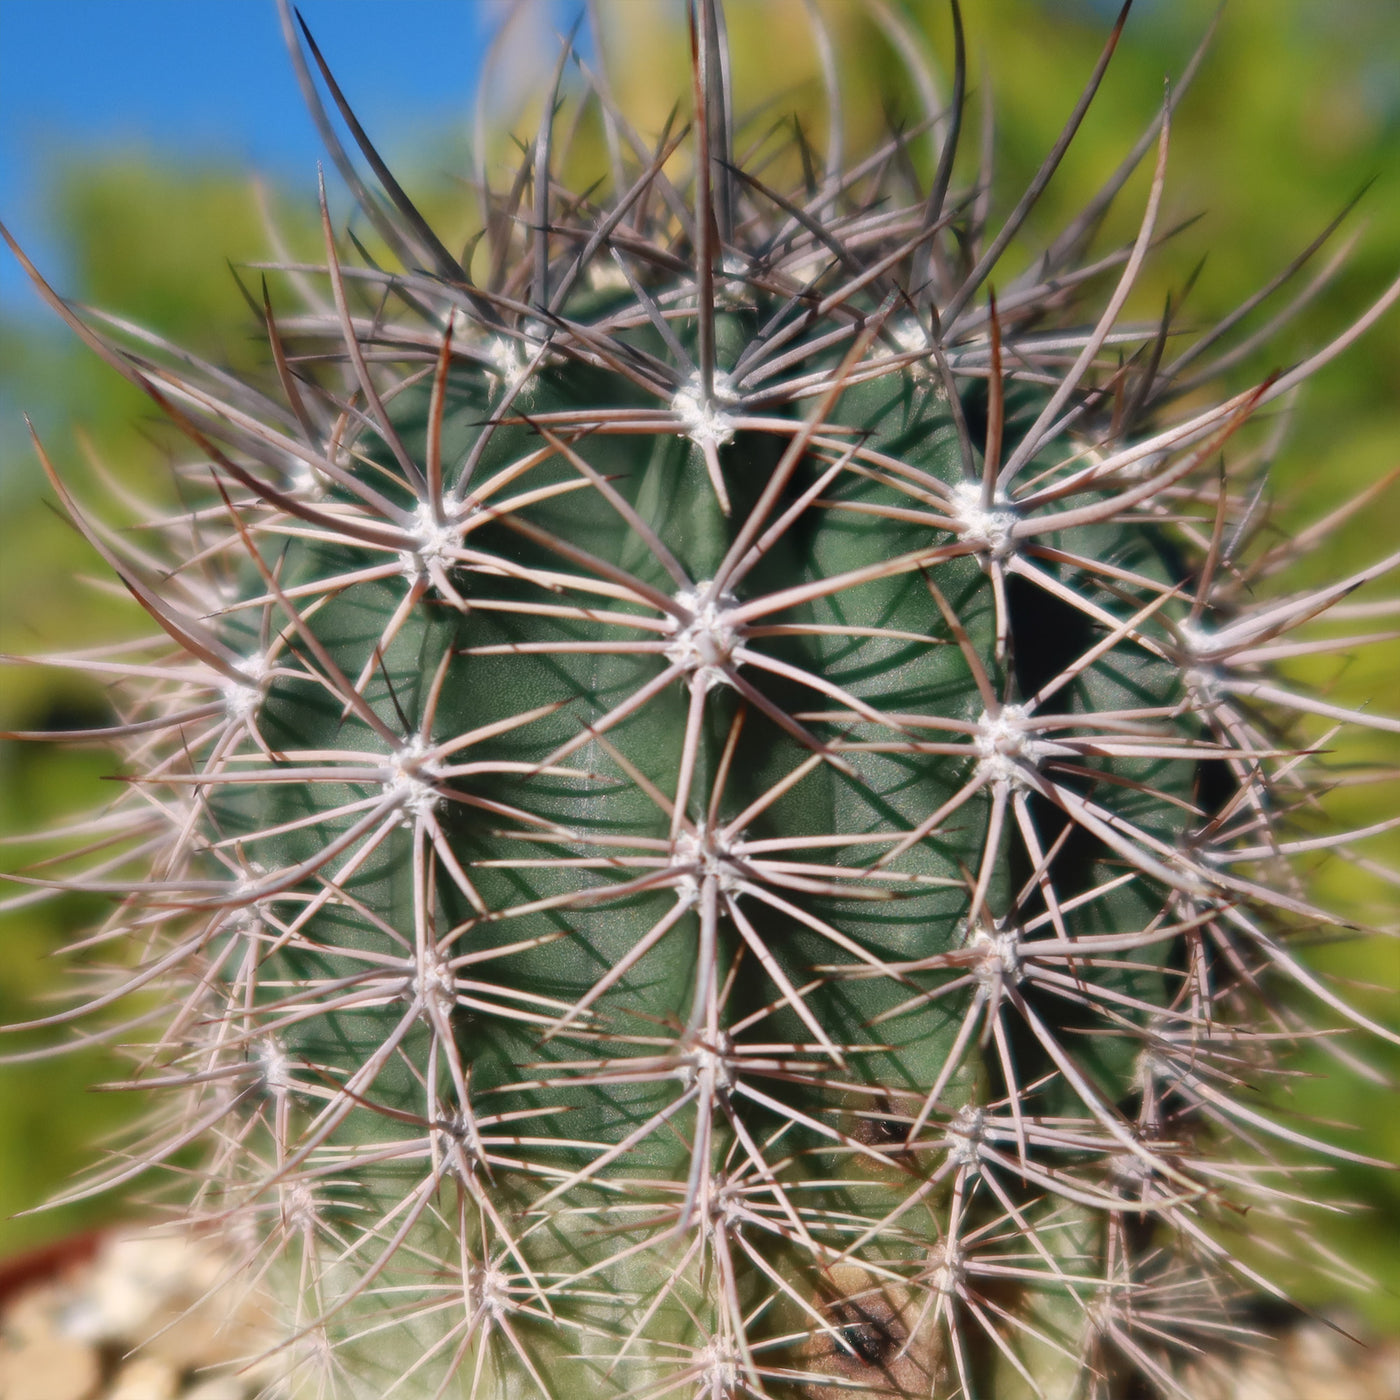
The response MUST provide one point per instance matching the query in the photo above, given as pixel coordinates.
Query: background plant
(1130, 202)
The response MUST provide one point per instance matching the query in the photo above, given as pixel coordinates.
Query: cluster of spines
(857, 286)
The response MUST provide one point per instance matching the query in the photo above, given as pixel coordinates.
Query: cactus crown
(713, 814)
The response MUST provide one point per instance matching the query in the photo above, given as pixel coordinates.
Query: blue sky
(202, 78)
(210, 79)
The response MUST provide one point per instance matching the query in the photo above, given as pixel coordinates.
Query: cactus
(712, 808)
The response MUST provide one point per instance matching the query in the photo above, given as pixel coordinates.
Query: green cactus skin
(715, 820)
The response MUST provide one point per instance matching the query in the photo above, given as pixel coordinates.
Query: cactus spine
(712, 809)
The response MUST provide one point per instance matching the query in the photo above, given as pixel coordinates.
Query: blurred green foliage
(1296, 107)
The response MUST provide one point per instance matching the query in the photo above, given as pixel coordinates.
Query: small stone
(134, 1277)
(1310, 1362)
(33, 1316)
(217, 1388)
(144, 1379)
(51, 1368)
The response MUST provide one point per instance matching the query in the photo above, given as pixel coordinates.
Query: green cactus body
(704, 868)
